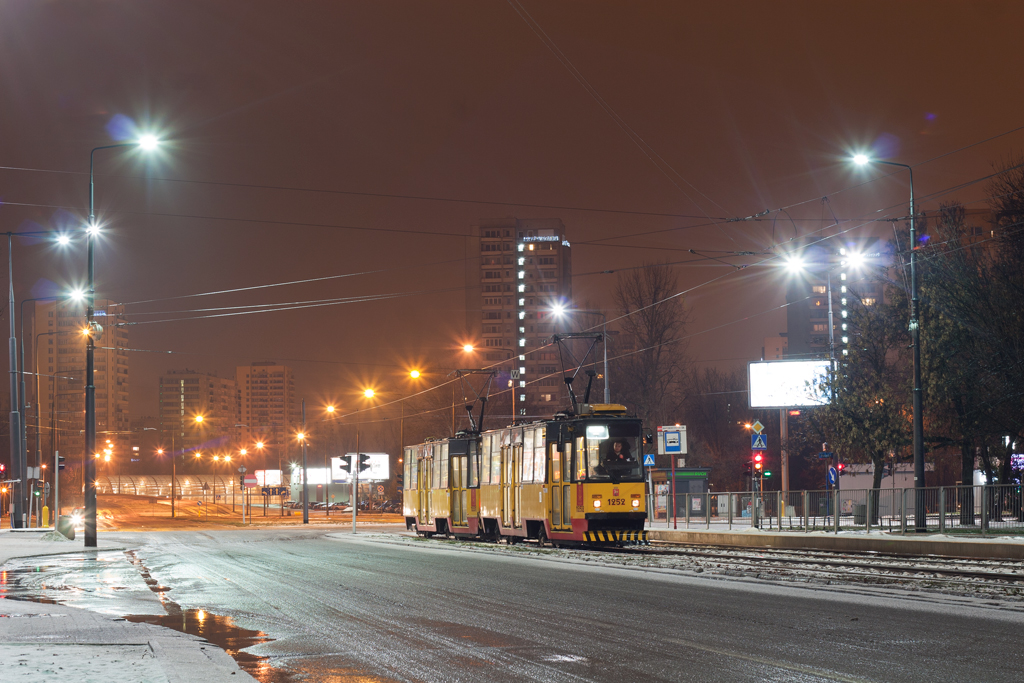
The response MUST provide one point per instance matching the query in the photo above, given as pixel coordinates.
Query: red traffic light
(841, 467)
(758, 458)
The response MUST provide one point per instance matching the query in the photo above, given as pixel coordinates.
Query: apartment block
(269, 411)
(524, 271)
(188, 394)
(56, 352)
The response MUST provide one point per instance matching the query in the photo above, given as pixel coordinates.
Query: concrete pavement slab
(49, 642)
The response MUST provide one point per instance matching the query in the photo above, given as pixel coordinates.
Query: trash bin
(860, 513)
(66, 527)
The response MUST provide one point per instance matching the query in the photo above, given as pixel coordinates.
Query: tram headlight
(597, 503)
(636, 502)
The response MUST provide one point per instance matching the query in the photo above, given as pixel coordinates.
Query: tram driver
(617, 460)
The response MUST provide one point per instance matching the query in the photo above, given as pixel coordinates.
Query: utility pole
(20, 466)
(305, 472)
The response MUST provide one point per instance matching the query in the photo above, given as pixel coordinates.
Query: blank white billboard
(788, 383)
(379, 469)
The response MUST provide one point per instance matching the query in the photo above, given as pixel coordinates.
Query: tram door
(561, 486)
(425, 472)
(460, 495)
(506, 486)
(517, 484)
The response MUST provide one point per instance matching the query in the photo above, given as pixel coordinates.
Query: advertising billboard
(379, 469)
(788, 383)
(268, 477)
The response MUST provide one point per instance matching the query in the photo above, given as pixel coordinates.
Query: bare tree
(649, 377)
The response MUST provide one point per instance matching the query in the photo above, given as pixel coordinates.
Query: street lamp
(147, 143)
(920, 519)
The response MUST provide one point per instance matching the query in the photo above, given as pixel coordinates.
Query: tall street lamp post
(148, 143)
(920, 518)
(20, 467)
(22, 393)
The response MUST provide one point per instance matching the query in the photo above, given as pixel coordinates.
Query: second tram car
(573, 478)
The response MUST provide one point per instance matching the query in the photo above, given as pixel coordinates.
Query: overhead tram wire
(384, 195)
(289, 283)
(289, 307)
(354, 193)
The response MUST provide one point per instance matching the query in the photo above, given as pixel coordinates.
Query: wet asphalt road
(364, 609)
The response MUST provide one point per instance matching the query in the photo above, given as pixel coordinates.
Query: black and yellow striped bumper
(613, 536)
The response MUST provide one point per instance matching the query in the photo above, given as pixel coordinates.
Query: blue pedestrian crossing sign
(649, 460)
(758, 442)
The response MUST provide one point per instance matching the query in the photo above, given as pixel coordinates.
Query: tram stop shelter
(688, 480)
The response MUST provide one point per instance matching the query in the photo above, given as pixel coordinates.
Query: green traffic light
(767, 474)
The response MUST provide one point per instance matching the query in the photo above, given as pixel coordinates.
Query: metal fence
(946, 509)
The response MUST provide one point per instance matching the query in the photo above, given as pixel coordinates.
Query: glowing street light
(243, 452)
(369, 393)
(147, 143)
(415, 374)
(920, 518)
(199, 418)
(330, 409)
(468, 348)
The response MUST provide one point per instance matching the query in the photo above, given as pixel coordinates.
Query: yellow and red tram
(572, 479)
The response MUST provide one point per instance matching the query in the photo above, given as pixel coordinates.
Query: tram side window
(474, 466)
(527, 474)
(444, 466)
(495, 459)
(485, 459)
(567, 462)
(435, 478)
(556, 464)
(581, 460)
(407, 466)
(540, 461)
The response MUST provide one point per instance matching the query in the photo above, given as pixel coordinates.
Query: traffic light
(400, 479)
(758, 463)
(346, 463)
(841, 469)
(748, 467)
(241, 481)
(60, 463)
(767, 473)
(3, 469)
(364, 463)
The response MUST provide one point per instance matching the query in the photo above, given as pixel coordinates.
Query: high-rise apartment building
(57, 349)
(850, 272)
(186, 395)
(269, 411)
(525, 270)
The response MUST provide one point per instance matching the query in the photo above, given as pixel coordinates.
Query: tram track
(825, 562)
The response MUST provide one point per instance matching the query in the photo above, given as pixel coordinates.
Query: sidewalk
(48, 642)
(992, 547)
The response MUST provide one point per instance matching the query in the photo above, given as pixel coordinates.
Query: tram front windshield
(613, 453)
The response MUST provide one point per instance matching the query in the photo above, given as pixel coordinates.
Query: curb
(943, 547)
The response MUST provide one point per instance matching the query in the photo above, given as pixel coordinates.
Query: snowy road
(373, 608)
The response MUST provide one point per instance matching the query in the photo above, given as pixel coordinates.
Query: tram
(575, 478)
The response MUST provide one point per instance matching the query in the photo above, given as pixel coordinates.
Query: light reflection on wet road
(360, 610)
